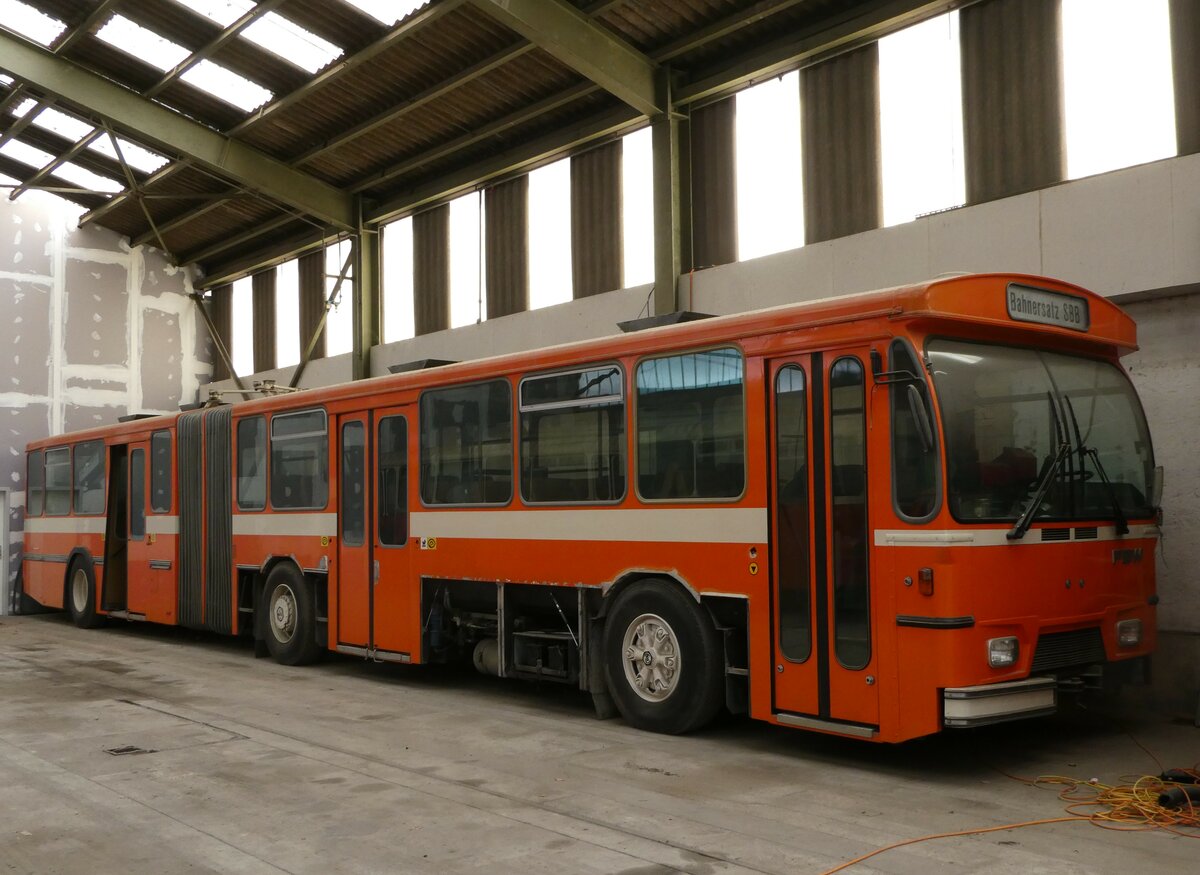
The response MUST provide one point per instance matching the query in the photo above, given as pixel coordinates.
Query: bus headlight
(1003, 652)
(1129, 633)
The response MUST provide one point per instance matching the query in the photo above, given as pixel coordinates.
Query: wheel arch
(76, 554)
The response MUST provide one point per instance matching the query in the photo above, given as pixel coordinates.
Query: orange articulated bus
(876, 515)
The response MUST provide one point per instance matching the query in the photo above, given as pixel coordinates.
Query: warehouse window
(770, 193)
(550, 280)
(1118, 90)
(299, 461)
(467, 257)
(287, 314)
(89, 478)
(920, 120)
(398, 281)
(241, 343)
(339, 325)
(637, 207)
(466, 444)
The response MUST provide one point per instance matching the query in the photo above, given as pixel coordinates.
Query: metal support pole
(218, 343)
(312, 341)
(368, 293)
(672, 214)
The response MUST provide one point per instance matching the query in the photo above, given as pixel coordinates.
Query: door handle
(375, 573)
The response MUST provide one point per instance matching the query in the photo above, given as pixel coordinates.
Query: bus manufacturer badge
(1027, 304)
(429, 543)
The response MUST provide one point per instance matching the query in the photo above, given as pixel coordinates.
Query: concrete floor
(361, 768)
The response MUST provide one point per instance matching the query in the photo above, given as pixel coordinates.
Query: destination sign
(1028, 304)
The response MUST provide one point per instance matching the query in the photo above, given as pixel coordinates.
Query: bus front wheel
(663, 659)
(290, 617)
(81, 594)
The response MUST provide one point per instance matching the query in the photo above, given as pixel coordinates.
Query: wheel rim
(283, 613)
(651, 657)
(79, 590)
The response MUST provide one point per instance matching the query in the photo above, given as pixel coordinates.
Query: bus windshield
(1008, 412)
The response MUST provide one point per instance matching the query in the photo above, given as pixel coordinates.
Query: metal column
(672, 209)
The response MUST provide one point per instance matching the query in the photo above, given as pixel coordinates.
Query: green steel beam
(672, 212)
(367, 294)
(575, 40)
(174, 133)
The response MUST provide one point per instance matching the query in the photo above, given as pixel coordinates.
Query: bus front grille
(1068, 649)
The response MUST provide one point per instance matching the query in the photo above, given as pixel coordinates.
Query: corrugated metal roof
(403, 110)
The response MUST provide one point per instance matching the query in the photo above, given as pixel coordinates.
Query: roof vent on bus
(419, 365)
(679, 316)
(1056, 534)
(134, 417)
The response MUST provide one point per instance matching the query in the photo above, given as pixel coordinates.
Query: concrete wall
(95, 330)
(1131, 234)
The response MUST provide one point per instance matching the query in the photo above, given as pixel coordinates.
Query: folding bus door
(825, 676)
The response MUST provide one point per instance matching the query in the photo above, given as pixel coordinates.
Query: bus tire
(663, 659)
(291, 617)
(80, 600)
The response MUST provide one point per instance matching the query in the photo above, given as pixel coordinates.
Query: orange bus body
(545, 575)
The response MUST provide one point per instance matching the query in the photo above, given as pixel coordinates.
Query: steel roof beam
(175, 134)
(586, 47)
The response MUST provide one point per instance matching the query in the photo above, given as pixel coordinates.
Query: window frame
(635, 434)
(523, 408)
(152, 508)
(75, 511)
(41, 456)
(506, 379)
(70, 482)
(939, 484)
(266, 471)
(271, 458)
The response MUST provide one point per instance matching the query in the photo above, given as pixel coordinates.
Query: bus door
(376, 605)
(824, 663)
(140, 577)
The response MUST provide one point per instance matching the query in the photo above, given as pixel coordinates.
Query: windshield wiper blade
(1026, 520)
(1092, 453)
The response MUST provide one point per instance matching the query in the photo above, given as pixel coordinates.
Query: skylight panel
(6, 79)
(71, 128)
(85, 178)
(227, 85)
(27, 21)
(293, 43)
(387, 11)
(26, 154)
(55, 121)
(145, 44)
(137, 157)
(278, 35)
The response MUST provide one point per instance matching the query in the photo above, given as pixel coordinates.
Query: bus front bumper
(996, 703)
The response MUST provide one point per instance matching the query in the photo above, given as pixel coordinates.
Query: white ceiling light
(144, 44)
(27, 21)
(387, 11)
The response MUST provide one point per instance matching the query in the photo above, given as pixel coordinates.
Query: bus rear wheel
(663, 659)
(81, 594)
(290, 617)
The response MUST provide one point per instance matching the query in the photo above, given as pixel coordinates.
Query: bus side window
(299, 461)
(914, 467)
(691, 426)
(252, 463)
(137, 495)
(35, 484)
(58, 482)
(393, 481)
(353, 484)
(466, 444)
(160, 472)
(89, 478)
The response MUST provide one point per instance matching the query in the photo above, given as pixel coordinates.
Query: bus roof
(1008, 303)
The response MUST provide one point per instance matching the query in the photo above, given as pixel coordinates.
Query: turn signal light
(925, 578)
(1129, 633)
(1003, 652)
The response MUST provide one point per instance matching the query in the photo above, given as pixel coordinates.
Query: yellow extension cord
(1128, 806)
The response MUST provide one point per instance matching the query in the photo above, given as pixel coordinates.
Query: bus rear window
(89, 478)
(466, 444)
(35, 484)
(299, 461)
(691, 426)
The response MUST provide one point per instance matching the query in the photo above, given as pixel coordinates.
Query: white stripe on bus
(717, 525)
(997, 537)
(66, 525)
(162, 525)
(300, 525)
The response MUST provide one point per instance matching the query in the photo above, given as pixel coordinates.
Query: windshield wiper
(1022, 525)
(1086, 452)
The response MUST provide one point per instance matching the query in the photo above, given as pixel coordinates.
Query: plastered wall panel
(25, 243)
(998, 235)
(77, 417)
(23, 365)
(1166, 371)
(1112, 233)
(161, 347)
(97, 313)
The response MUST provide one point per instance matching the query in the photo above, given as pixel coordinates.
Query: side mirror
(920, 415)
(1156, 487)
